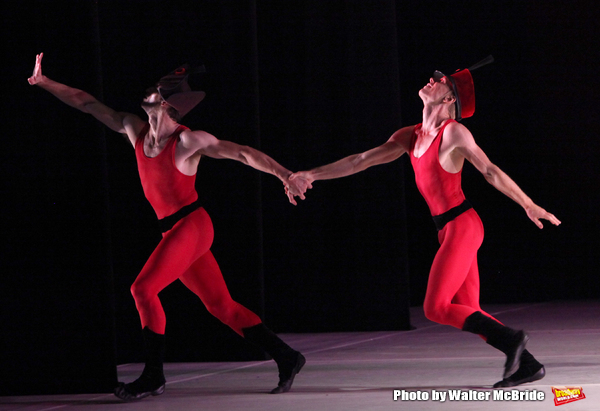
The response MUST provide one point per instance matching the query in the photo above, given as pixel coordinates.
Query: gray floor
(360, 371)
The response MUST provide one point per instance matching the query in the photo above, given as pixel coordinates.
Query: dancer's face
(436, 89)
(152, 99)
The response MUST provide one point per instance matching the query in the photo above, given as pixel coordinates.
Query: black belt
(442, 219)
(168, 222)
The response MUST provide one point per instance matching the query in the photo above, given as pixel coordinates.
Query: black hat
(176, 91)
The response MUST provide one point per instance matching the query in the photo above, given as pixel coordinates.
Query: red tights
(453, 286)
(184, 253)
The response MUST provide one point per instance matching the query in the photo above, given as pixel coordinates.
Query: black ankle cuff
(474, 323)
(266, 339)
(154, 349)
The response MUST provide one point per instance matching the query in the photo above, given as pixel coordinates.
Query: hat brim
(462, 82)
(184, 102)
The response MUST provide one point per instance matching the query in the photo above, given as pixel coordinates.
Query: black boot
(510, 342)
(152, 381)
(289, 361)
(530, 370)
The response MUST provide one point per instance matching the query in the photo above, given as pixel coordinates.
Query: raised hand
(536, 213)
(37, 76)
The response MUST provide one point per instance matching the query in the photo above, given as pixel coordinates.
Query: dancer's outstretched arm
(397, 145)
(203, 143)
(124, 123)
(464, 145)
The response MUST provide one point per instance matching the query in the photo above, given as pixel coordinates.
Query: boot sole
(507, 382)
(127, 396)
(285, 387)
(160, 390)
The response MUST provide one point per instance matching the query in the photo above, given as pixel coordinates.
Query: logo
(565, 395)
(469, 395)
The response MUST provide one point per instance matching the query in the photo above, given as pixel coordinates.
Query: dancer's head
(438, 91)
(153, 102)
(174, 94)
(462, 87)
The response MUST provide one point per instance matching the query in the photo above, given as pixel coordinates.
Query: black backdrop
(307, 82)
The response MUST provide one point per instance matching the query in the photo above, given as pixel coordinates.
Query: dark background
(307, 82)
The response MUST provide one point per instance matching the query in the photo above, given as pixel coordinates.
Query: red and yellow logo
(565, 395)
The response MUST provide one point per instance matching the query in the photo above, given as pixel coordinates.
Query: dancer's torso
(442, 190)
(166, 188)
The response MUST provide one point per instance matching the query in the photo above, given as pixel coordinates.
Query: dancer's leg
(204, 278)
(185, 242)
(454, 271)
(468, 293)
(189, 239)
(529, 369)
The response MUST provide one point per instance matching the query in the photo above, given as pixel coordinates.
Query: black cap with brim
(176, 91)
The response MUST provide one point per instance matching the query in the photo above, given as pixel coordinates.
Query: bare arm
(392, 149)
(200, 142)
(124, 123)
(465, 146)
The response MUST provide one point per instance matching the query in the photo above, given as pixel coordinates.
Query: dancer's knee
(223, 309)
(141, 293)
(435, 311)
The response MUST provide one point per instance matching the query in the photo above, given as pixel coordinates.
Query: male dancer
(168, 155)
(438, 148)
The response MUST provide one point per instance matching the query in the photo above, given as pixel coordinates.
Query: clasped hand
(296, 185)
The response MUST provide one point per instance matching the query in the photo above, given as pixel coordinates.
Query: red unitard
(453, 286)
(184, 251)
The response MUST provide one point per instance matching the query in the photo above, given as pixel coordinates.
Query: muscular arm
(124, 123)
(396, 145)
(200, 142)
(465, 146)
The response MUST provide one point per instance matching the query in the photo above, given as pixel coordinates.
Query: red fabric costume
(184, 251)
(453, 286)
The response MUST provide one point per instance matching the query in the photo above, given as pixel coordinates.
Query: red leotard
(166, 188)
(442, 190)
(453, 286)
(184, 251)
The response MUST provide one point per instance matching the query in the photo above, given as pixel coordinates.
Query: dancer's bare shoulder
(402, 137)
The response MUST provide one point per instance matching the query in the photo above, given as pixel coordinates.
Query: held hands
(37, 76)
(296, 185)
(535, 213)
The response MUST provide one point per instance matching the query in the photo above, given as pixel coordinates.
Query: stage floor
(361, 371)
